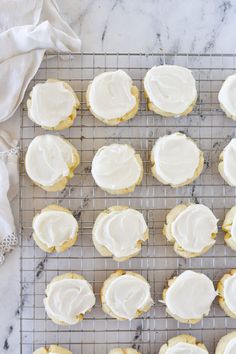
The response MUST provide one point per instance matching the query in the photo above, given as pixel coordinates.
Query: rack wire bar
(207, 125)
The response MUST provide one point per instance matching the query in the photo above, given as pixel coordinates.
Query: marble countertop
(124, 26)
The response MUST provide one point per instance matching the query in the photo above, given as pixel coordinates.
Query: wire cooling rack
(208, 126)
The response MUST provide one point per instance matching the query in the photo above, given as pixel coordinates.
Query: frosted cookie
(52, 349)
(55, 229)
(68, 298)
(52, 105)
(227, 96)
(227, 165)
(170, 90)
(123, 351)
(191, 228)
(227, 344)
(117, 169)
(227, 293)
(112, 97)
(50, 162)
(118, 232)
(126, 295)
(229, 227)
(189, 296)
(176, 160)
(183, 344)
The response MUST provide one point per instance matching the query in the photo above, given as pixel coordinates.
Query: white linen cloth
(8, 190)
(27, 29)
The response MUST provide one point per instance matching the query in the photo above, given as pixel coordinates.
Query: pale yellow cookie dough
(123, 351)
(107, 282)
(223, 342)
(183, 338)
(220, 290)
(66, 123)
(52, 349)
(69, 243)
(116, 121)
(103, 249)
(80, 317)
(226, 227)
(170, 218)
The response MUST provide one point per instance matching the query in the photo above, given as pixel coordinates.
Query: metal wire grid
(207, 125)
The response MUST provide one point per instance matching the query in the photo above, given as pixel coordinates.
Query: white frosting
(51, 103)
(185, 348)
(68, 298)
(229, 162)
(54, 227)
(193, 228)
(48, 158)
(230, 292)
(231, 347)
(127, 294)
(116, 167)
(190, 296)
(176, 158)
(171, 88)
(119, 231)
(110, 95)
(227, 95)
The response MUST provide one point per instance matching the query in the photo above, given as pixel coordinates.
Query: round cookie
(123, 351)
(227, 164)
(117, 168)
(52, 349)
(170, 90)
(55, 229)
(227, 96)
(189, 296)
(112, 98)
(184, 343)
(176, 160)
(50, 162)
(68, 298)
(52, 105)
(227, 293)
(191, 228)
(229, 227)
(227, 344)
(119, 232)
(126, 295)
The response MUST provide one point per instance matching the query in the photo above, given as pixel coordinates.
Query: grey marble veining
(124, 26)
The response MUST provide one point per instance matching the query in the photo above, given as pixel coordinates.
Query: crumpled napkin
(8, 190)
(27, 29)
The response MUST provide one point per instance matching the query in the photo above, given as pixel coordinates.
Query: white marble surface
(125, 26)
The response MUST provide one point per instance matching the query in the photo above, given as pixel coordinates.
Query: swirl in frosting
(68, 298)
(190, 295)
(55, 227)
(51, 102)
(110, 95)
(48, 159)
(116, 167)
(120, 231)
(176, 158)
(193, 228)
(171, 88)
(126, 295)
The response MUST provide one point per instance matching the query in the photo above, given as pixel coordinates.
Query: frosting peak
(110, 95)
